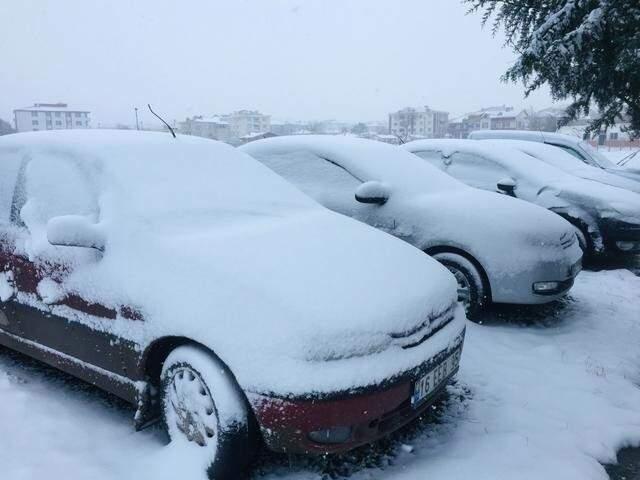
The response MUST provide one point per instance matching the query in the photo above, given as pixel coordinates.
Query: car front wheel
(472, 291)
(205, 411)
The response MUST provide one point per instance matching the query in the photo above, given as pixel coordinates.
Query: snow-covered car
(466, 229)
(188, 279)
(580, 149)
(606, 218)
(570, 164)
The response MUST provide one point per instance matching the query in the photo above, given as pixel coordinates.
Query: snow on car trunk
(544, 401)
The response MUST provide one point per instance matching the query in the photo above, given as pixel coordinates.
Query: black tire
(203, 405)
(469, 279)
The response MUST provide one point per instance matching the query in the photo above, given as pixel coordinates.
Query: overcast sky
(294, 59)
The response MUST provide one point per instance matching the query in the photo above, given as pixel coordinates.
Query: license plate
(430, 382)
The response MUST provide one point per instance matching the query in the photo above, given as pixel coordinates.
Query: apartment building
(246, 122)
(490, 118)
(50, 116)
(214, 127)
(412, 122)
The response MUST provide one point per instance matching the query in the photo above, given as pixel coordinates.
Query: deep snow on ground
(542, 393)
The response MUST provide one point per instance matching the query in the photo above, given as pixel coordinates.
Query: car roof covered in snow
(511, 158)
(550, 154)
(200, 174)
(365, 159)
(530, 135)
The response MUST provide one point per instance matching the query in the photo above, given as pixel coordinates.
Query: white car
(570, 164)
(606, 218)
(572, 145)
(188, 279)
(468, 230)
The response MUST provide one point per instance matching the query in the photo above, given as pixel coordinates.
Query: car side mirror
(373, 192)
(507, 186)
(75, 231)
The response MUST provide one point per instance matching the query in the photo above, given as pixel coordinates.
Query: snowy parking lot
(550, 392)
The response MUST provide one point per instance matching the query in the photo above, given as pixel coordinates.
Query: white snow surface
(213, 246)
(549, 400)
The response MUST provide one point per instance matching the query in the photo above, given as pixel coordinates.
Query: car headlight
(627, 245)
(546, 287)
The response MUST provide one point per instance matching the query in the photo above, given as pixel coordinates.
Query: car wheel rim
(191, 408)
(464, 288)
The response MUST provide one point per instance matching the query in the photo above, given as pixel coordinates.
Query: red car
(184, 277)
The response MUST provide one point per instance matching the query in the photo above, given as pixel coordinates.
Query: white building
(247, 122)
(50, 116)
(215, 127)
(412, 122)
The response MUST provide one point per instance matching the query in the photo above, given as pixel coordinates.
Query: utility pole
(137, 124)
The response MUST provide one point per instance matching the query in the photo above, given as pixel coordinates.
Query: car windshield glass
(602, 161)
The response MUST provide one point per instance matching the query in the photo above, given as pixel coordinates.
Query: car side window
(51, 187)
(476, 170)
(321, 179)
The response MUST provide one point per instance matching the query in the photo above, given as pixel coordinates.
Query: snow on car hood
(209, 244)
(492, 219)
(276, 297)
(607, 177)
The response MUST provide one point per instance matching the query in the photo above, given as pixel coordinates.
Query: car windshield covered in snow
(360, 159)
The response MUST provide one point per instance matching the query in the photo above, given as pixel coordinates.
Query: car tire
(203, 406)
(472, 288)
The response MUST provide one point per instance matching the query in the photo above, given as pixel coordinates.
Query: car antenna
(162, 120)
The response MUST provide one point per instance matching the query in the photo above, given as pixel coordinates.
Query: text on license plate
(428, 383)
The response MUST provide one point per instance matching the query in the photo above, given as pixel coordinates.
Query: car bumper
(364, 417)
(522, 288)
(621, 238)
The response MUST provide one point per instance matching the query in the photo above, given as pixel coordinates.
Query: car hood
(600, 200)
(273, 295)
(507, 236)
(613, 178)
(487, 220)
(630, 173)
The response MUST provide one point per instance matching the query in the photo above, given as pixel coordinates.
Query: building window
(34, 114)
(77, 114)
(34, 122)
(58, 123)
(613, 136)
(78, 124)
(57, 114)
